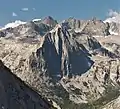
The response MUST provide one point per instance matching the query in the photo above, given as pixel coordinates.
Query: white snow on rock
(35, 20)
(114, 17)
(13, 24)
(97, 36)
(78, 30)
(113, 33)
(16, 23)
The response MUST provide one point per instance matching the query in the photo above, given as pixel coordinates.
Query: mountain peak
(49, 17)
(49, 21)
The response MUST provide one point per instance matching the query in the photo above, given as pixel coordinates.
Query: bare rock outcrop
(15, 94)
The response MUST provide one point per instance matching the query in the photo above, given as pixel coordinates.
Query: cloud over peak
(14, 14)
(113, 13)
(114, 16)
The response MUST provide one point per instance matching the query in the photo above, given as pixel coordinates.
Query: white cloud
(113, 16)
(113, 13)
(25, 9)
(33, 9)
(14, 14)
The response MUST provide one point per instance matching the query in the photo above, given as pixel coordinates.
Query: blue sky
(11, 10)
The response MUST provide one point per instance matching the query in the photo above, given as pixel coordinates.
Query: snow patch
(113, 33)
(97, 36)
(13, 24)
(35, 20)
(78, 30)
(114, 17)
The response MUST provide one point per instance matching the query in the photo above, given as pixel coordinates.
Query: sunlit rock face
(93, 27)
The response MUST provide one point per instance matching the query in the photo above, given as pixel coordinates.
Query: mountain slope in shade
(14, 94)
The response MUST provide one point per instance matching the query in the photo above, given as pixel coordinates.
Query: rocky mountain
(114, 23)
(94, 27)
(49, 21)
(32, 29)
(13, 24)
(75, 63)
(14, 93)
(115, 28)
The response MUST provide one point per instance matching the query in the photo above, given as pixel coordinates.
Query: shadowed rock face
(14, 94)
(62, 50)
(2, 34)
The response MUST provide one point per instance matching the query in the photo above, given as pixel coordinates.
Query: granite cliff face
(68, 63)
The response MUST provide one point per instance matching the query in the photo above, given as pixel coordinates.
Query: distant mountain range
(74, 63)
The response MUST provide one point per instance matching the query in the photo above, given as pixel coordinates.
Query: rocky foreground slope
(71, 63)
(14, 94)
